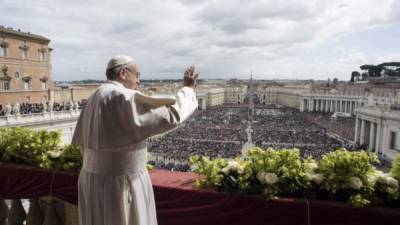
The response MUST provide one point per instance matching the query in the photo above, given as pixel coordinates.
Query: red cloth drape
(179, 203)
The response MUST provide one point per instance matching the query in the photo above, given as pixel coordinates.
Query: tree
(372, 70)
(385, 64)
(392, 68)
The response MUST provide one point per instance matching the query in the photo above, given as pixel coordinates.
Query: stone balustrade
(64, 121)
(37, 118)
(41, 211)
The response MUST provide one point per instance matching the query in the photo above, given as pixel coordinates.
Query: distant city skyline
(314, 39)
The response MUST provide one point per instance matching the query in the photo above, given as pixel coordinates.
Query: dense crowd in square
(220, 131)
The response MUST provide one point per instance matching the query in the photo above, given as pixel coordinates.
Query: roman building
(25, 67)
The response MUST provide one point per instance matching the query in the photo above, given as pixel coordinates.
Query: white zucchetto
(119, 60)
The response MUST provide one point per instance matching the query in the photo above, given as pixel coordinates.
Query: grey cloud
(220, 37)
(395, 12)
(120, 29)
(245, 15)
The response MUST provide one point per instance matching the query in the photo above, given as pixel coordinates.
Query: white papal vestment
(114, 187)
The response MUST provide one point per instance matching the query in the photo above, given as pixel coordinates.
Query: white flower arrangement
(339, 173)
(383, 178)
(317, 178)
(355, 183)
(194, 167)
(373, 177)
(232, 166)
(261, 177)
(271, 178)
(310, 167)
(54, 154)
(388, 180)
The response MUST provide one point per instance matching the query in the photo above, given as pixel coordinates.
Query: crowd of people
(343, 126)
(220, 131)
(31, 108)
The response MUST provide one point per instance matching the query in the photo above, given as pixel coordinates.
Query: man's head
(123, 69)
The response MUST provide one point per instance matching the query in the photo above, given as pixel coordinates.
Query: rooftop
(21, 34)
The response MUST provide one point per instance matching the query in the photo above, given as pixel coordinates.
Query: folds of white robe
(114, 187)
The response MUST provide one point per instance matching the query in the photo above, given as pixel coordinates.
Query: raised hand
(190, 77)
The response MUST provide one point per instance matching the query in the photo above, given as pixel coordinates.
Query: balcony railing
(53, 201)
(38, 118)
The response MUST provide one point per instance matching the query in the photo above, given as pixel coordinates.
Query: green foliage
(284, 166)
(67, 158)
(23, 145)
(395, 171)
(38, 148)
(359, 201)
(341, 175)
(346, 173)
(211, 169)
(340, 166)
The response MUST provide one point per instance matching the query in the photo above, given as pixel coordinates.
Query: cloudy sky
(297, 39)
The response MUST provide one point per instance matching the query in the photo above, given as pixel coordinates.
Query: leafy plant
(40, 148)
(395, 171)
(279, 171)
(346, 174)
(211, 169)
(342, 175)
(23, 145)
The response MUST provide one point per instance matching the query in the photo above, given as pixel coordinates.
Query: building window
(6, 85)
(44, 85)
(392, 140)
(3, 47)
(24, 53)
(41, 55)
(3, 51)
(24, 50)
(27, 85)
(16, 75)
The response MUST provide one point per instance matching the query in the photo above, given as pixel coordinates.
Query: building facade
(378, 127)
(347, 98)
(25, 63)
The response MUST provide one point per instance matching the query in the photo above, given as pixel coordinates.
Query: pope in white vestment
(114, 187)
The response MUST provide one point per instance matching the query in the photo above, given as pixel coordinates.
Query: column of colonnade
(362, 132)
(331, 105)
(319, 104)
(374, 135)
(337, 105)
(326, 105)
(356, 132)
(371, 144)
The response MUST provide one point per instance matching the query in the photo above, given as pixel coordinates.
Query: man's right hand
(190, 77)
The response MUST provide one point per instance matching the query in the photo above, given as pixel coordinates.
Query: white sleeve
(149, 121)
